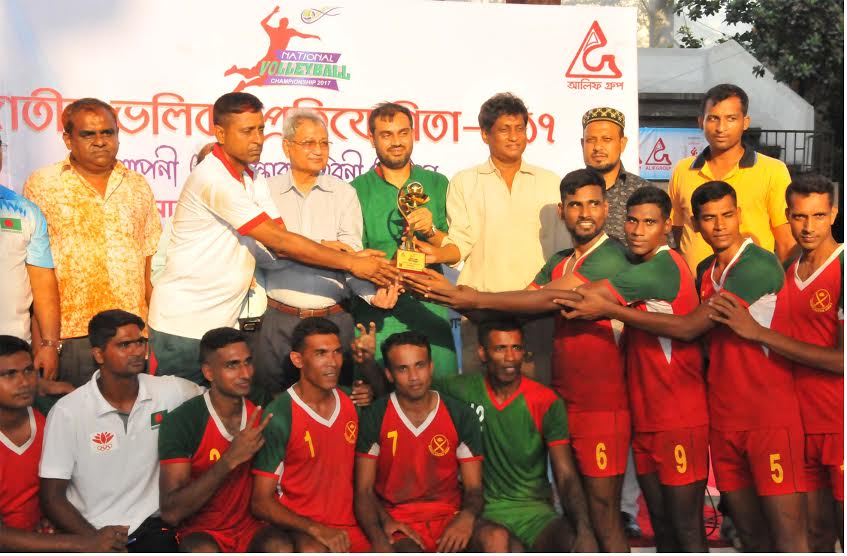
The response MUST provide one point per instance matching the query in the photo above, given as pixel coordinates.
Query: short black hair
(387, 111)
(505, 324)
(85, 105)
(407, 338)
(218, 338)
(807, 183)
(708, 192)
(311, 326)
(501, 104)
(104, 325)
(10, 345)
(235, 103)
(651, 195)
(722, 92)
(580, 178)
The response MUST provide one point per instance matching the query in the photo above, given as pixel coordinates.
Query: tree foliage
(800, 41)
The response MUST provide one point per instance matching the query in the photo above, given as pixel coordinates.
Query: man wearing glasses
(325, 209)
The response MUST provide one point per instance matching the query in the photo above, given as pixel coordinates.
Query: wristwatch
(54, 344)
(430, 233)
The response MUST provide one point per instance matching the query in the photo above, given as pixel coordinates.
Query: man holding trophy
(402, 202)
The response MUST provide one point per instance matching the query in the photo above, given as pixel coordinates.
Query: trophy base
(411, 261)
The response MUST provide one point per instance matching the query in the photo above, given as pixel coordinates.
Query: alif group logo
(658, 159)
(593, 63)
(282, 65)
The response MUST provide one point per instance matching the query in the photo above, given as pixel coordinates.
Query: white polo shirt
(113, 472)
(209, 262)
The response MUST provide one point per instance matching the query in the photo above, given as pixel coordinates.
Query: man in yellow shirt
(759, 181)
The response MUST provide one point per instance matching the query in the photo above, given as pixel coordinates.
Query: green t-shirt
(383, 229)
(515, 435)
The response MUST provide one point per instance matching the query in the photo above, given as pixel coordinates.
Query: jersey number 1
(308, 439)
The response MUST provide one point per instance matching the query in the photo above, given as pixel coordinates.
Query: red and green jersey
(667, 389)
(817, 317)
(515, 435)
(19, 483)
(418, 467)
(311, 458)
(194, 433)
(750, 387)
(588, 364)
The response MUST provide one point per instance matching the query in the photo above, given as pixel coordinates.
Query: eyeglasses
(310, 145)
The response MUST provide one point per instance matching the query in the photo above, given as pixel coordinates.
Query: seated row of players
(751, 417)
(775, 369)
(410, 448)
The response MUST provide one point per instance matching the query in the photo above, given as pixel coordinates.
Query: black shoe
(630, 526)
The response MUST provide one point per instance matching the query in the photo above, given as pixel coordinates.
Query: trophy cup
(410, 197)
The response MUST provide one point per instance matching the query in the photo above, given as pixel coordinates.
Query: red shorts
(600, 441)
(358, 540)
(231, 540)
(825, 463)
(770, 460)
(679, 457)
(430, 531)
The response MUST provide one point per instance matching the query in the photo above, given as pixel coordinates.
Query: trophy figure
(410, 197)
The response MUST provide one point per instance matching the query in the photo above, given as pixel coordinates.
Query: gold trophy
(410, 197)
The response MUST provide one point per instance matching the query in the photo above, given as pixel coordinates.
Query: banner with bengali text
(161, 64)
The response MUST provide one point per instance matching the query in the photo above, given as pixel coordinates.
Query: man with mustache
(100, 464)
(205, 449)
(223, 216)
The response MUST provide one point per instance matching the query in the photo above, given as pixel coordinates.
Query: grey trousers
(274, 370)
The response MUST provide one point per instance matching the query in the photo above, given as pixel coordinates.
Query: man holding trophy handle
(392, 197)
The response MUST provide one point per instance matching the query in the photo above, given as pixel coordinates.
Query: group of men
(212, 455)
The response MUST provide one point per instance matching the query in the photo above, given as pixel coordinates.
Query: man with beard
(392, 137)
(588, 365)
(603, 141)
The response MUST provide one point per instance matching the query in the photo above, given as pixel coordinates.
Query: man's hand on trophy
(420, 220)
(369, 264)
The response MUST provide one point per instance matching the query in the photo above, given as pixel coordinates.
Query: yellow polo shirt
(759, 182)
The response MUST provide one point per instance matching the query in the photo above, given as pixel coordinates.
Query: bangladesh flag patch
(157, 418)
(11, 225)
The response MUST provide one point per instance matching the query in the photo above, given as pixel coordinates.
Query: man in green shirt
(392, 137)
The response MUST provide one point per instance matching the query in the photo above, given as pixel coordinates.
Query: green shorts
(526, 520)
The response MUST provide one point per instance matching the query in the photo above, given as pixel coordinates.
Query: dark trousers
(76, 364)
(274, 370)
(153, 535)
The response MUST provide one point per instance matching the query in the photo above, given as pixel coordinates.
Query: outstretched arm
(266, 22)
(107, 539)
(729, 312)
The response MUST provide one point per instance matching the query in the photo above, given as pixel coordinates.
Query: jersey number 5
(777, 474)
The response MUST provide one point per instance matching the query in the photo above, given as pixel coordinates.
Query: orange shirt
(99, 243)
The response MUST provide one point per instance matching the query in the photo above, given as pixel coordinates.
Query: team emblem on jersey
(439, 445)
(214, 454)
(103, 442)
(821, 301)
(350, 431)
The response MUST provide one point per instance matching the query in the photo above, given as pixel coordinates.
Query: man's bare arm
(677, 237)
(108, 539)
(45, 306)
(729, 312)
(59, 510)
(367, 265)
(785, 245)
